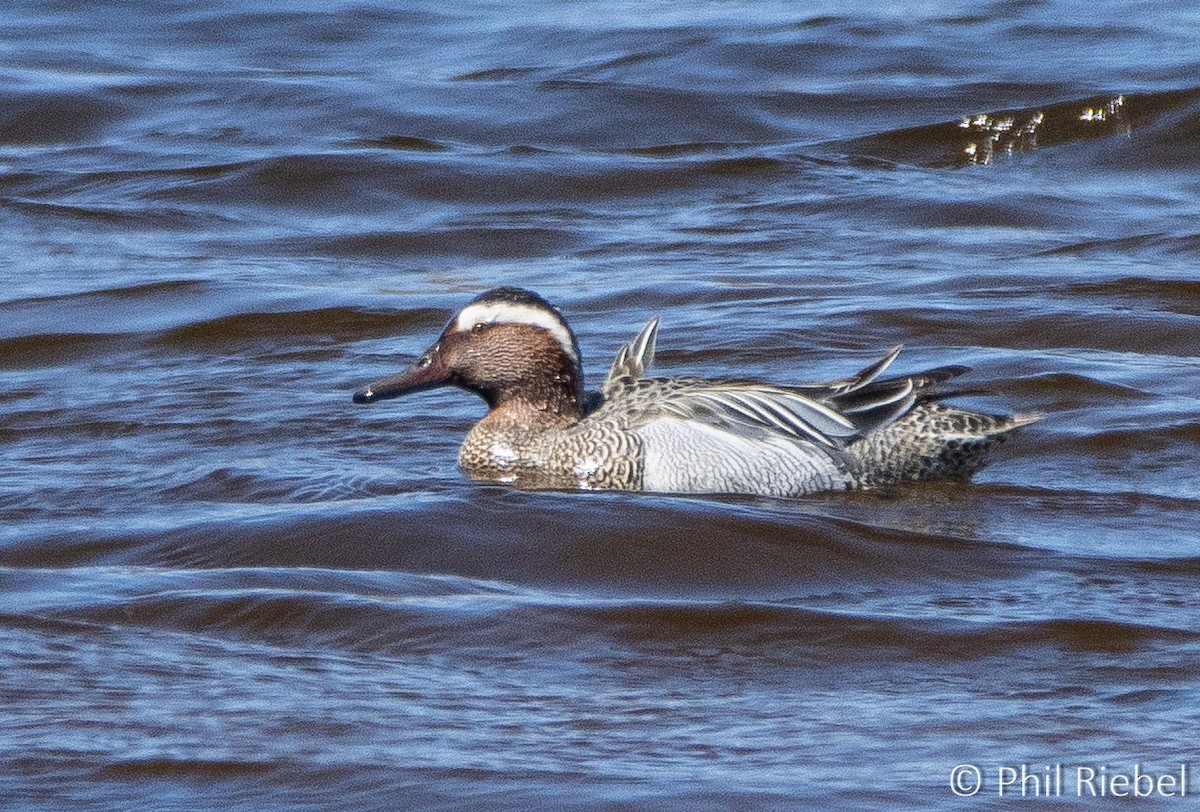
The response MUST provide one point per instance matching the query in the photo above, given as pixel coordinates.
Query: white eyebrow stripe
(515, 313)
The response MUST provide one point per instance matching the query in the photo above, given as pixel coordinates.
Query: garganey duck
(682, 435)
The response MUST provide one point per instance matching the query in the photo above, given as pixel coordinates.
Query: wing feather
(778, 411)
(903, 391)
(866, 375)
(829, 414)
(633, 359)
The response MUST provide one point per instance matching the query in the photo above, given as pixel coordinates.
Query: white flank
(683, 456)
(511, 313)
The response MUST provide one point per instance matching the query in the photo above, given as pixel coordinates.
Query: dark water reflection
(223, 586)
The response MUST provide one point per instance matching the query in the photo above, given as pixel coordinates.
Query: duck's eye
(424, 361)
(479, 327)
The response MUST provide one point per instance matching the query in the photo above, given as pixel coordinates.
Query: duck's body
(682, 435)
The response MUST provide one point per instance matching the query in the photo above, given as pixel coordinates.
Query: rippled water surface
(223, 586)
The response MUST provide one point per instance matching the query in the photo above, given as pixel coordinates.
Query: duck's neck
(551, 402)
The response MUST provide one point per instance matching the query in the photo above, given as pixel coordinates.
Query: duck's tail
(932, 441)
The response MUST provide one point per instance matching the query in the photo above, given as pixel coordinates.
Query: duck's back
(713, 451)
(699, 436)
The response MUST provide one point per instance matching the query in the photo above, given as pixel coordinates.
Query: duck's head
(509, 346)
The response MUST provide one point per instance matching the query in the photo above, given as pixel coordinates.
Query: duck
(684, 435)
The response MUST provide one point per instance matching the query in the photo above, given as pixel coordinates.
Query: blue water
(224, 586)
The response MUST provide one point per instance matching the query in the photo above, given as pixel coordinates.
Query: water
(226, 587)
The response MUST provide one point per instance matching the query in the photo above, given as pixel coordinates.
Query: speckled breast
(590, 456)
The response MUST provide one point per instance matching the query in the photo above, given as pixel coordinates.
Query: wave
(384, 178)
(846, 637)
(55, 117)
(1160, 120)
(644, 544)
(1058, 322)
(405, 615)
(188, 315)
(107, 316)
(300, 325)
(125, 216)
(1159, 244)
(472, 241)
(31, 352)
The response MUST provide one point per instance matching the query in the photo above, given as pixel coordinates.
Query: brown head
(509, 346)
